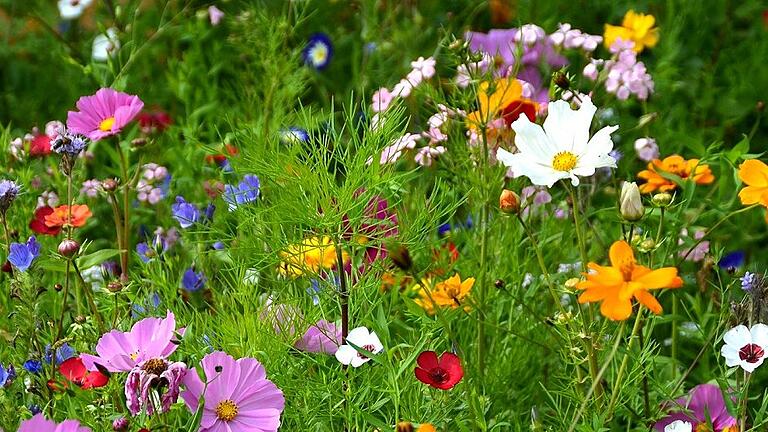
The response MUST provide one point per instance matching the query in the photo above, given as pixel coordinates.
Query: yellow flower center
(319, 54)
(564, 161)
(226, 410)
(106, 124)
(134, 355)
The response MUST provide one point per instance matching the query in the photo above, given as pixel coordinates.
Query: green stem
(89, 297)
(125, 251)
(620, 375)
(744, 402)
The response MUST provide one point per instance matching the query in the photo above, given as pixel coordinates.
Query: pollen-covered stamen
(155, 366)
(751, 353)
(227, 410)
(564, 161)
(368, 348)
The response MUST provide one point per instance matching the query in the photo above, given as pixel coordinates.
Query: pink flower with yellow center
(103, 114)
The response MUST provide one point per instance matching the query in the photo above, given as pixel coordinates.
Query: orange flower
(616, 285)
(754, 174)
(675, 165)
(60, 216)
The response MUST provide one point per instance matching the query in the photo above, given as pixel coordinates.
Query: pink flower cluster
(150, 186)
(422, 69)
(571, 38)
(625, 75)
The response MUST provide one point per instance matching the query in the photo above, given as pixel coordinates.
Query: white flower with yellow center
(562, 149)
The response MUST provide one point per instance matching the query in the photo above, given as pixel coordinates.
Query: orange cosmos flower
(685, 169)
(625, 278)
(60, 216)
(754, 174)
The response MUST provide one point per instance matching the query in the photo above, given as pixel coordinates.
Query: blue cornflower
(209, 210)
(146, 253)
(443, 229)
(9, 190)
(22, 254)
(246, 191)
(35, 409)
(749, 281)
(69, 144)
(318, 51)
(192, 281)
(294, 135)
(187, 214)
(732, 261)
(33, 366)
(63, 353)
(7, 375)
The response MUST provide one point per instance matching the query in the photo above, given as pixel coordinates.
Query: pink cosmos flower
(237, 396)
(38, 423)
(323, 337)
(150, 338)
(103, 114)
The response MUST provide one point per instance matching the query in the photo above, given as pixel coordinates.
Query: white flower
(72, 9)
(105, 45)
(745, 347)
(529, 34)
(678, 426)
(363, 339)
(563, 148)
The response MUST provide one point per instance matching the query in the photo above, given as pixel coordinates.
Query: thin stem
(89, 297)
(624, 362)
(343, 293)
(124, 252)
(646, 398)
(6, 232)
(745, 401)
(542, 264)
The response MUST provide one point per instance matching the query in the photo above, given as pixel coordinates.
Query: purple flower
(38, 423)
(63, 353)
(146, 253)
(323, 337)
(749, 281)
(7, 375)
(151, 380)
(215, 15)
(103, 114)
(69, 144)
(22, 254)
(705, 403)
(318, 52)
(9, 190)
(245, 192)
(187, 214)
(732, 261)
(647, 149)
(33, 366)
(192, 281)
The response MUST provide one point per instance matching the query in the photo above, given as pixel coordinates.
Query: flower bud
(120, 424)
(631, 203)
(79, 319)
(662, 199)
(509, 202)
(646, 245)
(69, 247)
(401, 257)
(115, 286)
(109, 185)
(405, 427)
(561, 80)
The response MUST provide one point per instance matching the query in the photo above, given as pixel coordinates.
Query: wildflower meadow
(379, 215)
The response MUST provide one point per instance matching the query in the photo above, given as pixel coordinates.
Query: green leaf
(97, 257)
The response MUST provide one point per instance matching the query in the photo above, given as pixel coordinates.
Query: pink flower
(150, 338)
(38, 423)
(237, 396)
(104, 114)
(215, 14)
(425, 67)
(381, 100)
(323, 337)
(152, 380)
(529, 34)
(426, 155)
(647, 149)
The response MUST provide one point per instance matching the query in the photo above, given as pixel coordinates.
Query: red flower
(74, 370)
(154, 121)
(512, 112)
(40, 145)
(38, 223)
(442, 373)
(220, 158)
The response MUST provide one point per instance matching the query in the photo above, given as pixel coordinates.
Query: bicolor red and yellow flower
(500, 101)
(685, 169)
(636, 27)
(616, 285)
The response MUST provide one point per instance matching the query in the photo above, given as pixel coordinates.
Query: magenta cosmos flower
(705, 404)
(104, 114)
(150, 338)
(38, 423)
(323, 337)
(237, 396)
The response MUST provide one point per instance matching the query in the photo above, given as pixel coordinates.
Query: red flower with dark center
(74, 370)
(751, 353)
(443, 373)
(40, 146)
(38, 223)
(512, 112)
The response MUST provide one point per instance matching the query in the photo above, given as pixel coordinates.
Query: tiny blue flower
(313, 290)
(443, 229)
(35, 409)
(218, 245)
(245, 192)
(192, 281)
(187, 214)
(318, 51)
(33, 366)
(294, 135)
(22, 254)
(152, 304)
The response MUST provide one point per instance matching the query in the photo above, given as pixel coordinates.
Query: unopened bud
(760, 106)
(80, 319)
(115, 286)
(405, 427)
(69, 247)
(631, 203)
(662, 199)
(58, 287)
(509, 201)
(646, 245)
(120, 424)
(109, 185)
(571, 283)
(138, 142)
(401, 257)
(561, 80)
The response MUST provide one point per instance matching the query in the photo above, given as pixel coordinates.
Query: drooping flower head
(636, 27)
(562, 149)
(676, 165)
(362, 339)
(9, 190)
(745, 347)
(22, 254)
(60, 216)
(244, 192)
(103, 114)
(442, 372)
(318, 51)
(624, 279)
(152, 380)
(150, 338)
(38, 423)
(705, 404)
(322, 337)
(236, 395)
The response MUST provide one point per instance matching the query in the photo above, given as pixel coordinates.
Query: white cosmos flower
(363, 339)
(679, 426)
(745, 347)
(105, 45)
(562, 149)
(72, 9)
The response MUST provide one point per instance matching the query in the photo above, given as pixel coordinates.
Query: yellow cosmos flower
(310, 256)
(501, 99)
(636, 27)
(449, 293)
(754, 174)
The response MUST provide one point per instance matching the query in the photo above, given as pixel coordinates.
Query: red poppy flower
(74, 370)
(443, 373)
(60, 216)
(40, 146)
(38, 223)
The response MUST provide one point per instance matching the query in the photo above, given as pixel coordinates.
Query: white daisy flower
(72, 9)
(745, 347)
(679, 426)
(363, 339)
(562, 149)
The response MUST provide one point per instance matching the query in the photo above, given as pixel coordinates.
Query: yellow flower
(636, 27)
(452, 291)
(310, 256)
(501, 99)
